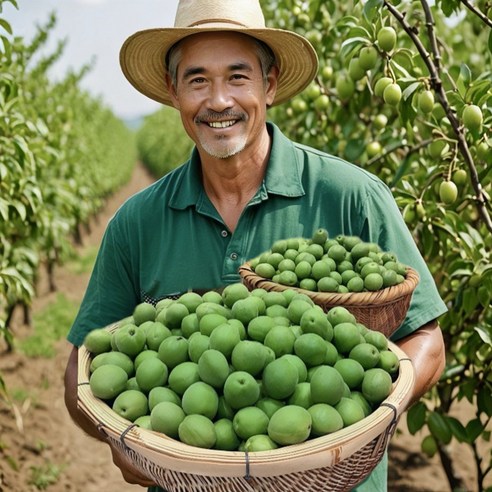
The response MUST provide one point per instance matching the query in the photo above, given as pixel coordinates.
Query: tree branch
(477, 12)
(432, 62)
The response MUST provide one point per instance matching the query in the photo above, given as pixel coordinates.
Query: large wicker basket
(335, 462)
(383, 310)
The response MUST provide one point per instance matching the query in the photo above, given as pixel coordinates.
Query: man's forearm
(425, 347)
(71, 398)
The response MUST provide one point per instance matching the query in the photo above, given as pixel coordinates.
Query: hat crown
(239, 13)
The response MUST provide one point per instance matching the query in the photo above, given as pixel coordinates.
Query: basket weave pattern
(340, 477)
(335, 462)
(382, 310)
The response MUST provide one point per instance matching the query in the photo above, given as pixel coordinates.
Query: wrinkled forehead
(215, 41)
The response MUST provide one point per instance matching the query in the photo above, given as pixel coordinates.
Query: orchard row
(62, 153)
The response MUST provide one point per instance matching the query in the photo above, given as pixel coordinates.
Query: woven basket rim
(385, 296)
(313, 453)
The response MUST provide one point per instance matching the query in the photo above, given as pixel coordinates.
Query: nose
(219, 97)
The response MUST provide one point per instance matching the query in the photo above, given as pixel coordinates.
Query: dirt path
(38, 435)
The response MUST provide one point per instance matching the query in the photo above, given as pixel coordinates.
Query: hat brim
(142, 59)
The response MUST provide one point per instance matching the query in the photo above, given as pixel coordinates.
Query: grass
(44, 476)
(53, 322)
(49, 325)
(84, 262)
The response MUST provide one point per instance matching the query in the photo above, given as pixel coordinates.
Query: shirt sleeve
(111, 294)
(385, 226)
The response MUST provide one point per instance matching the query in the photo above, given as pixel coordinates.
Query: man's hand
(425, 347)
(129, 472)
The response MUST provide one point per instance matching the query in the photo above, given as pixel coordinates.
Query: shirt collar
(283, 175)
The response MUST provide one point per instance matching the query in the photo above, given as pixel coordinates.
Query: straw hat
(142, 56)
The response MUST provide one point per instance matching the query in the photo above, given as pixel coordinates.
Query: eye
(238, 76)
(197, 80)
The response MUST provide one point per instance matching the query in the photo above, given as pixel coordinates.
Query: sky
(94, 31)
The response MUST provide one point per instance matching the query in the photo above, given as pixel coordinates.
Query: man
(245, 186)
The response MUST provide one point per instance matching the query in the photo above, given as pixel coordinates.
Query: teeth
(221, 124)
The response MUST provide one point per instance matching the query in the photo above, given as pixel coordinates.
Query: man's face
(221, 93)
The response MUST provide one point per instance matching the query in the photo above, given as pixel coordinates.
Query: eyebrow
(196, 70)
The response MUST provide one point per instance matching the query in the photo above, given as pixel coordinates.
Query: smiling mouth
(221, 124)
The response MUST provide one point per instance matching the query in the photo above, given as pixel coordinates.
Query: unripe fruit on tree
(387, 38)
(326, 72)
(299, 105)
(373, 149)
(392, 94)
(313, 91)
(460, 177)
(345, 87)
(355, 71)
(368, 57)
(448, 192)
(437, 148)
(322, 102)
(380, 121)
(426, 101)
(303, 19)
(484, 151)
(314, 37)
(409, 214)
(472, 117)
(380, 85)
(429, 446)
(475, 280)
(420, 209)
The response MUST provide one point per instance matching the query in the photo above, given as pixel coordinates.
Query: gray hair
(263, 51)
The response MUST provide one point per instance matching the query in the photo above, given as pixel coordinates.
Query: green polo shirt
(168, 238)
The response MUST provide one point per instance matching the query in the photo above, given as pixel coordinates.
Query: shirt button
(234, 256)
(224, 233)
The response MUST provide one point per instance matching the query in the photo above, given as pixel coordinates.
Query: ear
(172, 91)
(271, 85)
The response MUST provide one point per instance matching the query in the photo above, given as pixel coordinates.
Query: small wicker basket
(335, 462)
(383, 310)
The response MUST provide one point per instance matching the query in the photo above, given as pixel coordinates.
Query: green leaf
(470, 301)
(452, 371)
(371, 9)
(484, 400)
(348, 21)
(465, 74)
(354, 149)
(490, 41)
(449, 6)
(4, 209)
(468, 390)
(439, 427)
(410, 90)
(484, 296)
(473, 429)
(484, 334)
(461, 272)
(457, 428)
(6, 26)
(351, 44)
(416, 417)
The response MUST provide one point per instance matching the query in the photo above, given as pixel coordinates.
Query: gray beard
(221, 150)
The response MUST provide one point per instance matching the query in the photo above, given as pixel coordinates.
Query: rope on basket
(100, 428)
(124, 433)
(390, 429)
(247, 476)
